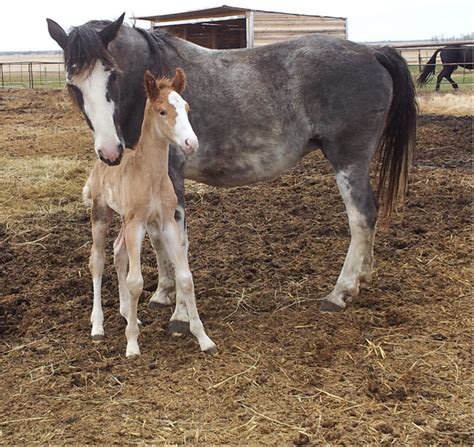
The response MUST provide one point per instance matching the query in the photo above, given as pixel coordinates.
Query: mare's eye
(113, 76)
(163, 112)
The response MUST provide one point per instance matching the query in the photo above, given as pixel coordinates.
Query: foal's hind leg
(354, 185)
(166, 285)
(121, 265)
(101, 217)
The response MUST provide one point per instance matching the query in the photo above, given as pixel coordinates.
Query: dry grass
(457, 104)
(40, 185)
(394, 368)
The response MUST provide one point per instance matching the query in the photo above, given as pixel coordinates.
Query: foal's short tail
(86, 194)
(428, 69)
(398, 138)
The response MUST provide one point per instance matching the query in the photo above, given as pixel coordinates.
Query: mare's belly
(240, 167)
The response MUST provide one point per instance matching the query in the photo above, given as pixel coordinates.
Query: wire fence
(42, 74)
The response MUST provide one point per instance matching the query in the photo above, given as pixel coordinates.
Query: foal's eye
(163, 112)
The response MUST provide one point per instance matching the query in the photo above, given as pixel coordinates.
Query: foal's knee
(185, 282)
(135, 285)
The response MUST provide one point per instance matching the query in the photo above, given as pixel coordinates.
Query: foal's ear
(150, 85)
(109, 33)
(57, 33)
(179, 81)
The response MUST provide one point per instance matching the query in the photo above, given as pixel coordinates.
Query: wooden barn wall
(273, 27)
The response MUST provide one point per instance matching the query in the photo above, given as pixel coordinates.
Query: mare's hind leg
(101, 217)
(354, 184)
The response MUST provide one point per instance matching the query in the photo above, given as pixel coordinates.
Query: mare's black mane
(84, 47)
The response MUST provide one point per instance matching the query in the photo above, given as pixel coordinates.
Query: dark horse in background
(257, 112)
(452, 56)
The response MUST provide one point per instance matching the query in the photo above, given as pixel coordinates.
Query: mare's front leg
(134, 234)
(101, 217)
(179, 324)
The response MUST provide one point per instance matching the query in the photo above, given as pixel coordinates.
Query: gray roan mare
(256, 113)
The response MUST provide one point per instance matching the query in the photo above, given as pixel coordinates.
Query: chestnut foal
(140, 190)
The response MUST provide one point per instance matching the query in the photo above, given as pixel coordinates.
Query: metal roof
(220, 10)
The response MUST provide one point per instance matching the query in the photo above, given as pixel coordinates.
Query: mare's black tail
(398, 138)
(428, 70)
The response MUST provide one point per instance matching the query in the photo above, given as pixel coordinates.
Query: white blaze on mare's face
(183, 132)
(99, 111)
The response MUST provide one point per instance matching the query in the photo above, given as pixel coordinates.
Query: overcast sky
(23, 24)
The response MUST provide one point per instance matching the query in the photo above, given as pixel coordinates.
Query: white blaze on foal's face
(184, 135)
(92, 91)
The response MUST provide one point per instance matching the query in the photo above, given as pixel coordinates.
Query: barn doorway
(215, 34)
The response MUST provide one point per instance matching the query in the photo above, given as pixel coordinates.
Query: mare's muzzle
(108, 159)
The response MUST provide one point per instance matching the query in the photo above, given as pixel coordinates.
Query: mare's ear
(150, 85)
(109, 33)
(57, 33)
(179, 81)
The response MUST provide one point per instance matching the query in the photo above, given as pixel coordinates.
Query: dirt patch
(394, 367)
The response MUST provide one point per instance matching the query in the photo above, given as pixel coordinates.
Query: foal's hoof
(154, 305)
(212, 350)
(178, 328)
(97, 338)
(329, 306)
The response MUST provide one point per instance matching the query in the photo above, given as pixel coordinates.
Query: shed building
(227, 27)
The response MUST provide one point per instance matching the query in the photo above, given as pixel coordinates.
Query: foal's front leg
(101, 217)
(184, 284)
(134, 234)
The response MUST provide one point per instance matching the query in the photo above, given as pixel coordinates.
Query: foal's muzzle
(190, 145)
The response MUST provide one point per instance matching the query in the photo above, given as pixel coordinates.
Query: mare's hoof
(155, 305)
(97, 338)
(211, 351)
(329, 306)
(178, 328)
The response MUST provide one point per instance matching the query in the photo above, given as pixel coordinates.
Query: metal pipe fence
(32, 75)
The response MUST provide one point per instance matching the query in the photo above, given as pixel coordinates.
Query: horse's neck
(152, 148)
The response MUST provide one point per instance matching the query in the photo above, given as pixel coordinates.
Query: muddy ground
(395, 367)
